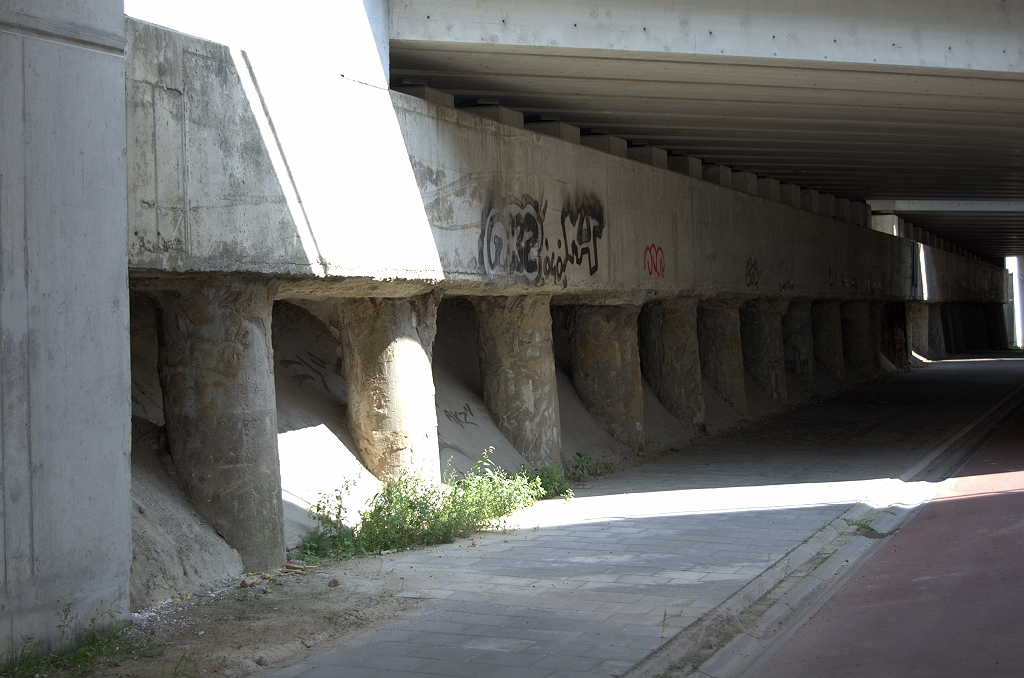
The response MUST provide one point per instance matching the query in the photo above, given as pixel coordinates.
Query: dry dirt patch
(277, 621)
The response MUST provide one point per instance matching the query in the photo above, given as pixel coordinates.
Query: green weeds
(410, 512)
(584, 466)
(97, 647)
(553, 482)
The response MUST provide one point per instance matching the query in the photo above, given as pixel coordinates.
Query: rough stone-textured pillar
(517, 367)
(859, 346)
(386, 347)
(721, 353)
(605, 363)
(917, 327)
(876, 312)
(670, 358)
(936, 342)
(827, 328)
(217, 374)
(798, 340)
(761, 339)
(956, 327)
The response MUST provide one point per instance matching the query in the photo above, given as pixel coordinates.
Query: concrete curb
(748, 649)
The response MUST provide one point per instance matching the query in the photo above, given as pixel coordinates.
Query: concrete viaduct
(366, 164)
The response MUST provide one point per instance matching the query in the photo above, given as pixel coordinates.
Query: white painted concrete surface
(983, 35)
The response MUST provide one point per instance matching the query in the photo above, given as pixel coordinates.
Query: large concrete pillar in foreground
(761, 339)
(670, 358)
(517, 368)
(386, 347)
(827, 330)
(721, 353)
(220, 406)
(859, 344)
(605, 363)
(798, 340)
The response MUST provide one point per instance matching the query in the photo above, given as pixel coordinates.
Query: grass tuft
(410, 512)
(98, 647)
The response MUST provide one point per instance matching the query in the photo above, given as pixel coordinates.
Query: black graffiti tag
(511, 237)
(461, 417)
(785, 283)
(753, 272)
(582, 226)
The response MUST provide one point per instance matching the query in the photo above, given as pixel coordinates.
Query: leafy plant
(410, 512)
(98, 645)
(553, 482)
(583, 465)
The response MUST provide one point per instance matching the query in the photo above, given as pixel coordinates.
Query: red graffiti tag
(654, 261)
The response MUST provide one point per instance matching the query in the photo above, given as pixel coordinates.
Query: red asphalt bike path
(943, 597)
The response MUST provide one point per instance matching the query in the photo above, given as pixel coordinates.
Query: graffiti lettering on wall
(510, 239)
(461, 417)
(753, 272)
(785, 284)
(513, 240)
(654, 261)
(582, 226)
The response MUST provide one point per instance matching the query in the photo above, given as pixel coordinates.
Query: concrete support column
(859, 345)
(827, 330)
(386, 347)
(605, 363)
(996, 329)
(936, 343)
(917, 327)
(517, 367)
(670, 358)
(798, 340)
(956, 327)
(721, 351)
(220, 406)
(761, 339)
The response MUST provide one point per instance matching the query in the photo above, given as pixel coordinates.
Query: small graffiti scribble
(461, 417)
(849, 282)
(785, 284)
(301, 362)
(654, 261)
(753, 272)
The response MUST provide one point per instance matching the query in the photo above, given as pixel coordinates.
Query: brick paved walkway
(590, 587)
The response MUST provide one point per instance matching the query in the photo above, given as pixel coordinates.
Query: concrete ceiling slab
(906, 104)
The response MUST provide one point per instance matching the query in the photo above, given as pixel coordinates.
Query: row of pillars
(216, 371)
